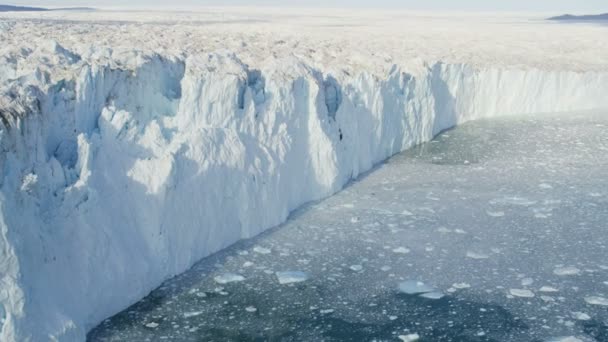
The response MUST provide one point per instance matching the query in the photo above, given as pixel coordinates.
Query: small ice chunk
(228, 278)
(247, 264)
(477, 255)
(407, 213)
(392, 318)
(413, 287)
(385, 268)
(521, 293)
(581, 316)
(356, 268)
(565, 339)
(527, 281)
(548, 289)
(326, 311)
(495, 213)
(461, 286)
(409, 337)
(152, 325)
(566, 271)
(545, 186)
(597, 300)
(432, 295)
(289, 277)
(547, 299)
(261, 250)
(401, 250)
(192, 314)
(251, 309)
(354, 219)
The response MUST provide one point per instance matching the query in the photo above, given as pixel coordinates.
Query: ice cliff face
(117, 174)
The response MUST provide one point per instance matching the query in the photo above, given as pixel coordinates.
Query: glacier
(119, 171)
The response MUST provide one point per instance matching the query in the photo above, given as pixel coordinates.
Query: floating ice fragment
(521, 293)
(385, 268)
(581, 316)
(566, 271)
(152, 325)
(289, 277)
(407, 213)
(251, 309)
(192, 314)
(409, 338)
(527, 281)
(548, 289)
(356, 268)
(432, 295)
(413, 287)
(461, 286)
(247, 264)
(597, 300)
(477, 255)
(401, 250)
(520, 201)
(228, 278)
(495, 213)
(261, 250)
(354, 219)
(326, 311)
(392, 318)
(565, 339)
(545, 186)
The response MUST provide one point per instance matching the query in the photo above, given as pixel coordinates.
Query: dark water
(506, 219)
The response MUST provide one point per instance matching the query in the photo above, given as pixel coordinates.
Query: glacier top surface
(331, 38)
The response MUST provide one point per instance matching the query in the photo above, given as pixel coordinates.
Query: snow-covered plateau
(137, 143)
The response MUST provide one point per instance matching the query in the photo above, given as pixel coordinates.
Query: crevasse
(113, 180)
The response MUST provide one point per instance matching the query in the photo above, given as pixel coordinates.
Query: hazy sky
(490, 5)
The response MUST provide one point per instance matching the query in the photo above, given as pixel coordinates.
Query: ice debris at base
(401, 250)
(228, 278)
(565, 339)
(566, 271)
(597, 300)
(477, 255)
(416, 287)
(409, 337)
(289, 277)
(521, 293)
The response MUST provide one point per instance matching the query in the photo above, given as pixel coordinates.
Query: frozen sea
(496, 230)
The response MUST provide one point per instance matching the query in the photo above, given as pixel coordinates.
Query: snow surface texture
(122, 167)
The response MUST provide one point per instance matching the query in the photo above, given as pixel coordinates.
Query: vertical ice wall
(114, 179)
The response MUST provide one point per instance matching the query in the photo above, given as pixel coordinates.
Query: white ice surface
(290, 277)
(131, 149)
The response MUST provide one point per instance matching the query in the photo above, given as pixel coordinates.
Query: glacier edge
(114, 179)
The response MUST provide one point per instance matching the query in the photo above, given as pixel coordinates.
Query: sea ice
(228, 278)
(521, 293)
(409, 337)
(401, 250)
(566, 271)
(261, 250)
(413, 287)
(477, 255)
(597, 300)
(289, 277)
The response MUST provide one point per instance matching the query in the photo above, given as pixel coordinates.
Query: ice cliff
(118, 173)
